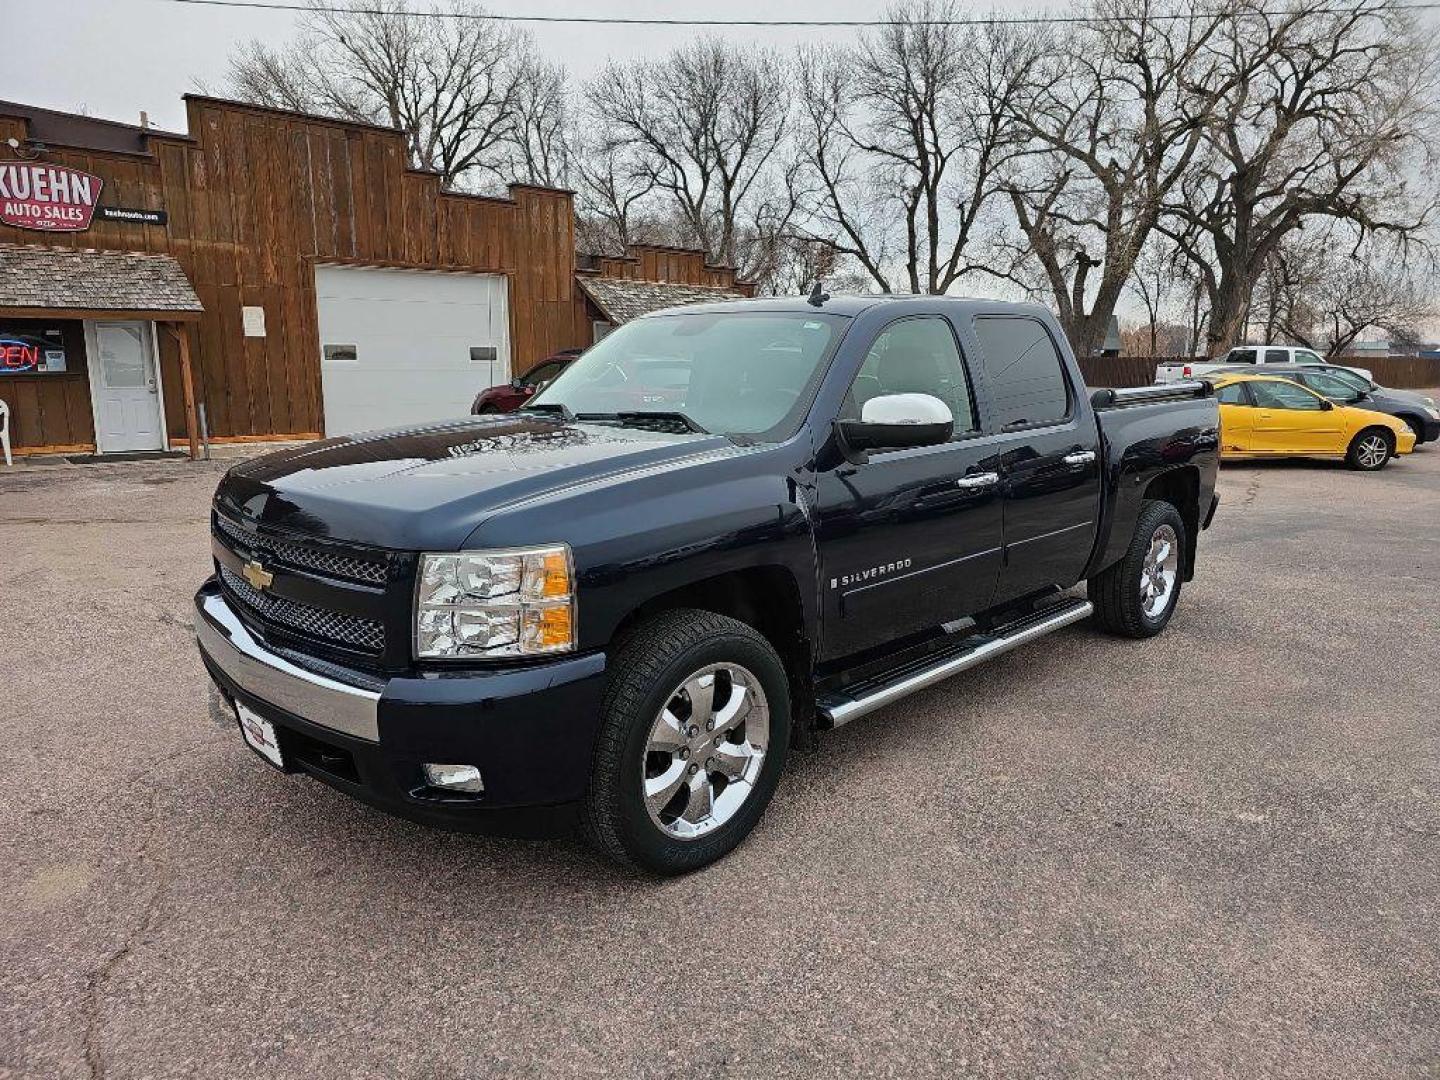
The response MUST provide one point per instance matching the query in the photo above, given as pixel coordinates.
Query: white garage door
(407, 346)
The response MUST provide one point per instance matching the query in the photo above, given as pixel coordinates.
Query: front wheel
(1137, 595)
(1370, 450)
(694, 732)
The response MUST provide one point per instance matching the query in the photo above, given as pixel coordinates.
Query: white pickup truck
(1248, 354)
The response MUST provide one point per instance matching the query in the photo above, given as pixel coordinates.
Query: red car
(516, 392)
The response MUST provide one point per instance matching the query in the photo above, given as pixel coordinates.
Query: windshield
(732, 373)
(1357, 382)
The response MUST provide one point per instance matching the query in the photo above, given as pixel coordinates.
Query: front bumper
(1429, 431)
(529, 729)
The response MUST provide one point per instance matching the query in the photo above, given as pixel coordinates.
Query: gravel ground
(1216, 853)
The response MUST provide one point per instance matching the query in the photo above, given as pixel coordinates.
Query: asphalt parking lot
(1216, 853)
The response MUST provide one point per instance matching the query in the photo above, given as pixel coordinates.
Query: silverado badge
(257, 575)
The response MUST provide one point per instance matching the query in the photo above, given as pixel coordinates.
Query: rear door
(1049, 455)
(910, 538)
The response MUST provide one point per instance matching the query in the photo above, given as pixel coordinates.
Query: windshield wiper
(655, 421)
(553, 408)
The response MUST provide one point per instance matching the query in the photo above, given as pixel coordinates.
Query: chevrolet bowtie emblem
(257, 575)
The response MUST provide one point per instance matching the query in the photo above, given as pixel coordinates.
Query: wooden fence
(1416, 372)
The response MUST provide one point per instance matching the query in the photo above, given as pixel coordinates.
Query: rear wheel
(1137, 595)
(1370, 450)
(694, 734)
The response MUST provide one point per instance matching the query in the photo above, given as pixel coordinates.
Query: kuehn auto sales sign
(51, 198)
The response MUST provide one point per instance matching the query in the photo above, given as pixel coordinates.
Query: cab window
(1233, 394)
(1242, 356)
(915, 356)
(1024, 371)
(1276, 356)
(1284, 395)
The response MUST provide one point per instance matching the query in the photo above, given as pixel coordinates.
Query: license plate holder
(259, 735)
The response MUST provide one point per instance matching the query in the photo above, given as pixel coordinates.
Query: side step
(840, 708)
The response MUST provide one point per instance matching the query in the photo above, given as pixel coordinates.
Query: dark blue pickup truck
(576, 618)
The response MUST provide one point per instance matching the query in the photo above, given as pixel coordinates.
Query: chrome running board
(840, 708)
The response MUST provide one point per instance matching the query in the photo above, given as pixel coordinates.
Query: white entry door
(402, 347)
(125, 387)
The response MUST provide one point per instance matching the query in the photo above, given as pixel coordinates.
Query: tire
(640, 748)
(1370, 450)
(1416, 425)
(1125, 595)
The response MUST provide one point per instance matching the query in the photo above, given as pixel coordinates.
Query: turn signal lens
(547, 575)
(547, 629)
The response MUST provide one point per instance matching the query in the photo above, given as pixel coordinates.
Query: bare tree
(1113, 114)
(702, 129)
(467, 94)
(1325, 293)
(1328, 114)
(901, 141)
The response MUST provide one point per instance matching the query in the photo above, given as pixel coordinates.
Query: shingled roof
(62, 279)
(620, 299)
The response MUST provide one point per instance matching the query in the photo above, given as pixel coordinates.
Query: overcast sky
(113, 58)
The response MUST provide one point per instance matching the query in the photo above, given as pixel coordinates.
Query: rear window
(1024, 370)
(1234, 394)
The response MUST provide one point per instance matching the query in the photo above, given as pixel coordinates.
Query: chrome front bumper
(223, 638)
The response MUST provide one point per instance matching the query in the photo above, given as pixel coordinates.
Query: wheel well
(1181, 489)
(765, 597)
(1381, 429)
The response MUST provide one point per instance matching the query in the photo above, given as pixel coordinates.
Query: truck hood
(428, 488)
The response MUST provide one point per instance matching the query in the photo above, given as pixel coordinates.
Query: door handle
(1079, 457)
(978, 480)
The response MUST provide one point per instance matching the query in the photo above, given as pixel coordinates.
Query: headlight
(480, 604)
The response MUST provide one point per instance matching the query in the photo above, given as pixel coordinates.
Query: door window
(1023, 367)
(1333, 388)
(1242, 356)
(1234, 394)
(1276, 356)
(123, 363)
(1284, 395)
(915, 356)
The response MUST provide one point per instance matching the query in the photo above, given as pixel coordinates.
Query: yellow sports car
(1265, 416)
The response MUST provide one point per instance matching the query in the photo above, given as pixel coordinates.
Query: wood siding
(256, 198)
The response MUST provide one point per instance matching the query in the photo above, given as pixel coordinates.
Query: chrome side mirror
(898, 421)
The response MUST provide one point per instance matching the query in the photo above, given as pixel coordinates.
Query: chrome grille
(353, 631)
(336, 564)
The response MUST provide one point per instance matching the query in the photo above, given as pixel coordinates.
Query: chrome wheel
(705, 750)
(1371, 451)
(1159, 572)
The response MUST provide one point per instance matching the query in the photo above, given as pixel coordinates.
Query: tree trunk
(1229, 309)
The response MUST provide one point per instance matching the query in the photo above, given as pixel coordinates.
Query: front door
(125, 387)
(1292, 420)
(910, 539)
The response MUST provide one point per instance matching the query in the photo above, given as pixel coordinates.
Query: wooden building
(298, 279)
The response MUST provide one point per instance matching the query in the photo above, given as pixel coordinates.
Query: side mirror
(898, 421)
(517, 384)
(1326, 405)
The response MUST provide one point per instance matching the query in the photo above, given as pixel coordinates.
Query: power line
(619, 20)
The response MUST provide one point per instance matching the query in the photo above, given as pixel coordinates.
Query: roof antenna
(818, 295)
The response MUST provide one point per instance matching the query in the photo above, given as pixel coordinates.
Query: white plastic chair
(5, 431)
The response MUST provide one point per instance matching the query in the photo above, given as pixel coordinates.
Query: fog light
(454, 778)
